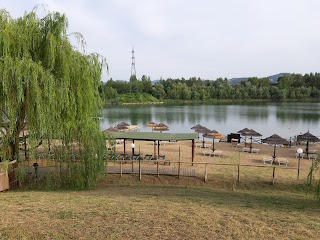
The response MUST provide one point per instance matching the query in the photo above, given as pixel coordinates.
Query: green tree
(158, 91)
(147, 84)
(51, 89)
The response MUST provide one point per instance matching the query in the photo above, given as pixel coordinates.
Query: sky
(187, 38)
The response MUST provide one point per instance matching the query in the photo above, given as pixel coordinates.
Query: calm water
(285, 119)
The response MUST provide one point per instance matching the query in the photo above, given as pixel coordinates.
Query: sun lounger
(313, 151)
(282, 161)
(163, 157)
(234, 142)
(313, 156)
(255, 150)
(148, 156)
(136, 156)
(245, 149)
(208, 146)
(208, 152)
(267, 160)
(198, 145)
(216, 153)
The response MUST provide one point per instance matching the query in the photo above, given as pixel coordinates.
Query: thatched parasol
(275, 139)
(249, 133)
(202, 130)
(121, 127)
(196, 127)
(152, 125)
(161, 127)
(214, 135)
(309, 138)
(124, 123)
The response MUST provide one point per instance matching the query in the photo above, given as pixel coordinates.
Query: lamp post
(299, 151)
(132, 145)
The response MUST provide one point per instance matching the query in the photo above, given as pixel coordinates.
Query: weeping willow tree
(50, 88)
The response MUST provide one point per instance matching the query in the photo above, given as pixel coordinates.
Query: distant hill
(233, 81)
(273, 78)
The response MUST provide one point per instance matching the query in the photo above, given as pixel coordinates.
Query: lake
(286, 119)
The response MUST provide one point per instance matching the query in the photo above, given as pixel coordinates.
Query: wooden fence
(201, 170)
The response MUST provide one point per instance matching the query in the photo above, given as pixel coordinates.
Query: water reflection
(286, 119)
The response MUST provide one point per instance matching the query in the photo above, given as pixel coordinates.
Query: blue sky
(186, 38)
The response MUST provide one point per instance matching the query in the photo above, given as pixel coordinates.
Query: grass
(162, 208)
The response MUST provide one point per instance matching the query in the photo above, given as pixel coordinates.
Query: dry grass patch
(165, 208)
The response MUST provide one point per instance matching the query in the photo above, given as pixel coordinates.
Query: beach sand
(182, 150)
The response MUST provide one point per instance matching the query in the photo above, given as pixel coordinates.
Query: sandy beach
(182, 150)
(171, 150)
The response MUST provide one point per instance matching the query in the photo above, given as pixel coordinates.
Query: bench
(267, 160)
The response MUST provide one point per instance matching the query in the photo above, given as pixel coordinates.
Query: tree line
(288, 86)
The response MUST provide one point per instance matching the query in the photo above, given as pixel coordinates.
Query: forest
(289, 86)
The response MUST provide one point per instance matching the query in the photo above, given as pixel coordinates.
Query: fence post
(273, 175)
(140, 173)
(158, 168)
(238, 172)
(179, 169)
(206, 173)
(120, 168)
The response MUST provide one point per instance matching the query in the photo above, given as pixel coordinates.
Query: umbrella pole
(251, 145)
(202, 141)
(212, 144)
(274, 153)
(307, 149)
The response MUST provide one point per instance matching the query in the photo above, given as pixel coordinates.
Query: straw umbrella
(249, 133)
(124, 123)
(203, 130)
(214, 135)
(161, 127)
(152, 125)
(196, 127)
(121, 127)
(275, 139)
(309, 138)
